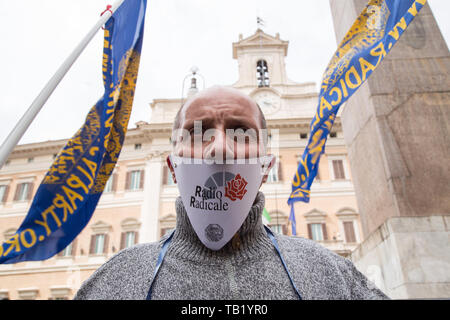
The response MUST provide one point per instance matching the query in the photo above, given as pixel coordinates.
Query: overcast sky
(37, 36)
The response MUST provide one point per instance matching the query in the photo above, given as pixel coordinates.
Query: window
(278, 222)
(110, 184)
(338, 169)
(275, 173)
(28, 293)
(99, 244)
(135, 180)
(128, 239)
(130, 233)
(137, 146)
(4, 295)
(23, 191)
(279, 228)
(303, 135)
(3, 193)
(349, 231)
(333, 134)
(262, 73)
(67, 252)
(317, 231)
(60, 293)
(29, 160)
(348, 225)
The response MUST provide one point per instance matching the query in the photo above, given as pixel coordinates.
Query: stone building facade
(138, 202)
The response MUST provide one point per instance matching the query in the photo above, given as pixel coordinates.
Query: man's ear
(271, 164)
(172, 172)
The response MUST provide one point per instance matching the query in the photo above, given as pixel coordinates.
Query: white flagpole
(16, 134)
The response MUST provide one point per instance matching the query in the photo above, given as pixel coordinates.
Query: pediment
(101, 227)
(315, 213)
(278, 217)
(347, 212)
(260, 39)
(170, 217)
(130, 224)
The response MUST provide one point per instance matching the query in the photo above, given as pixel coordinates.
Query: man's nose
(220, 147)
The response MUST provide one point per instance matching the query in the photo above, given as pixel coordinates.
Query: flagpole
(16, 134)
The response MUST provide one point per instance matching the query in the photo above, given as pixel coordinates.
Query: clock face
(268, 102)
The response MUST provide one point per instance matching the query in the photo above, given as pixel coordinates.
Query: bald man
(256, 263)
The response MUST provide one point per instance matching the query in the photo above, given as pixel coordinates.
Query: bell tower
(261, 60)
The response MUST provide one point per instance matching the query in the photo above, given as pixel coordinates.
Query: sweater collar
(250, 240)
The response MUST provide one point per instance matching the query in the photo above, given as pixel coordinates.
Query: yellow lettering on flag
(350, 84)
(344, 88)
(75, 182)
(61, 203)
(339, 96)
(316, 147)
(365, 67)
(324, 104)
(394, 33)
(14, 243)
(72, 196)
(44, 221)
(91, 165)
(23, 239)
(379, 52)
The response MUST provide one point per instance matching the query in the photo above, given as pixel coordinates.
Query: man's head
(219, 123)
(214, 91)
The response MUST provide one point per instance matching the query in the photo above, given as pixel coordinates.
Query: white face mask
(218, 197)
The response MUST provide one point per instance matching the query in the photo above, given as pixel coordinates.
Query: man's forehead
(221, 98)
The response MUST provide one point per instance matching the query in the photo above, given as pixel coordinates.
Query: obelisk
(396, 128)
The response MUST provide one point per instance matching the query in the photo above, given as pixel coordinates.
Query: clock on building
(268, 101)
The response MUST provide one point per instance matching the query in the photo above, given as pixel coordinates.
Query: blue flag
(69, 192)
(365, 45)
(292, 219)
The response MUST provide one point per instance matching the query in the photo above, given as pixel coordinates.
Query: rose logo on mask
(235, 188)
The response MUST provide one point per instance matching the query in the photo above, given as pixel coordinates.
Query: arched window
(262, 73)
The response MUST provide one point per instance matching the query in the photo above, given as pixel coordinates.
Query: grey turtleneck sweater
(248, 267)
